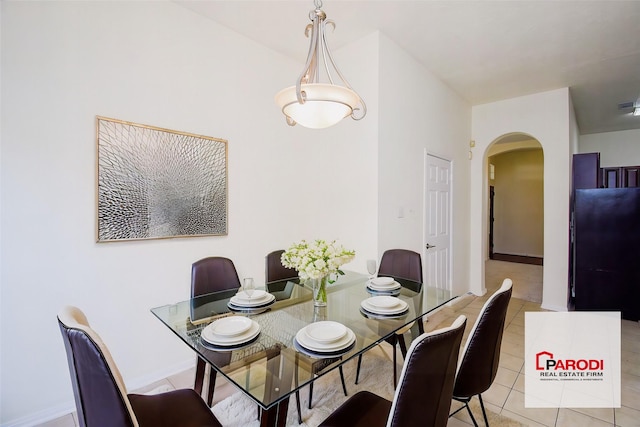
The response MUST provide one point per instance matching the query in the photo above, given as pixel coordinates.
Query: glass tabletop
(273, 365)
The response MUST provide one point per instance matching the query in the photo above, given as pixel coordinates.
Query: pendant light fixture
(310, 102)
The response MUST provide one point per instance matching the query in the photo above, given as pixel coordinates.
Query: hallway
(527, 279)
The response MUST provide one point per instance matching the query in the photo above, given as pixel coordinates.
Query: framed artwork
(156, 183)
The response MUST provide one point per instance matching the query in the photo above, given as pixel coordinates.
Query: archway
(547, 116)
(515, 213)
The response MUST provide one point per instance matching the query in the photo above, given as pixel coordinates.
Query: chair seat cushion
(363, 409)
(178, 408)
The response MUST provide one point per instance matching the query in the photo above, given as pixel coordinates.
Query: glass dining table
(271, 367)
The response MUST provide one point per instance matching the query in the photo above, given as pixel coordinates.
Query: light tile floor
(506, 396)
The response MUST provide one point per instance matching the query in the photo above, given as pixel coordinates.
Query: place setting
(250, 300)
(230, 333)
(384, 307)
(383, 286)
(324, 339)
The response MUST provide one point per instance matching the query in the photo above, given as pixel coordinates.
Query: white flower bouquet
(316, 259)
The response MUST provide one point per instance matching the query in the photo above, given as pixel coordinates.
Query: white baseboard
(43, 416)
(69, 407)
(141, 382)
(457, 300)
(553, 307)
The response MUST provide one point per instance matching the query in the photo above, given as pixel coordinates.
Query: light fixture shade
(324, 106)
(311, 102)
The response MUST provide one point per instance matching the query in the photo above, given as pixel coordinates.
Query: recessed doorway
(515, 240)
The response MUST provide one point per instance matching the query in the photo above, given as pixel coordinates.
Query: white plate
(377, 310)
(321, 354)
(384, 302)
(391, 287)
(340, 344)
(250, 334)
(382, 281)
(266, 298)
(249, 310)
(325, 332)
(383, 291)
(230, 326)
(370, 315)
(257, 294)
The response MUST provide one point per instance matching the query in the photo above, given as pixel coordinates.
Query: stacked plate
(383, 285)
(259, 299)
(384, 305)
(324, 339)
(230, 332)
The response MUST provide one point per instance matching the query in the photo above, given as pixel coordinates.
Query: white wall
(616, 148)
(419, 113)
(347, 173)
(546, 117)
(154, 63)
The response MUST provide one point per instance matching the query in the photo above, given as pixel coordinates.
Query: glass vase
(319, 287)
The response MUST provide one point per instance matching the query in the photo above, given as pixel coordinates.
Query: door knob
(428, 246)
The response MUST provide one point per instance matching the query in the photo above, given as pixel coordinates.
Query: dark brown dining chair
(481, 354)
(399, 264)
(423, 395)
(209, 275)
(402, 264)
(101, 396)
(275, 271)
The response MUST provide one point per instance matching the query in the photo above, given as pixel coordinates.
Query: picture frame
(156, 183)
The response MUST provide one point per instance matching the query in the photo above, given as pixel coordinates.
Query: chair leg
(484, 414)
(212, 386)
(358, 368)
(403, 346)
(466, 404)
(466, 401)
(197, 386)
(344, 386)
(298, 407)
(297, 395)
(395, 361)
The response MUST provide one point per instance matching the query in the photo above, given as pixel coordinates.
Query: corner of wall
(547, 119)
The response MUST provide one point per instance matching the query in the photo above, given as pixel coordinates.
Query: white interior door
(437, 227)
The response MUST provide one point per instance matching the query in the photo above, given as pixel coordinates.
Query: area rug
(376, 375)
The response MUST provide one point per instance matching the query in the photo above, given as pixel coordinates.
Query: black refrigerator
(606, 250)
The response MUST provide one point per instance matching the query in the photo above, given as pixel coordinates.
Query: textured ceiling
(485, 50)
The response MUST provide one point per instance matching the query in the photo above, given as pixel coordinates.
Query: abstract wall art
(155, 183)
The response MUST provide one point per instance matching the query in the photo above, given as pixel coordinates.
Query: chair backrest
(401, 263)
(99, 392)
(424, 392)
(481, 353)
(213, 274)
(274, 270)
